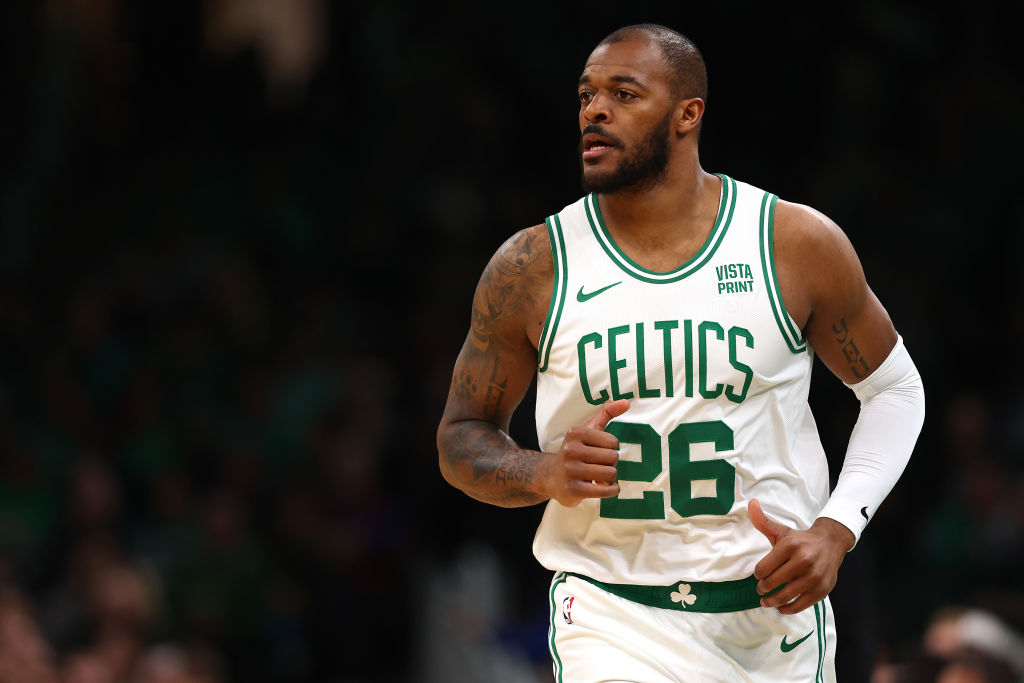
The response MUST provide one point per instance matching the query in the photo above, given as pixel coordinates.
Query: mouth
(594, 146)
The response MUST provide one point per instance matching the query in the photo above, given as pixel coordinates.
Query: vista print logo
(734, 278)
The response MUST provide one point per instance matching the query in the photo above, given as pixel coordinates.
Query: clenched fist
(585, 465)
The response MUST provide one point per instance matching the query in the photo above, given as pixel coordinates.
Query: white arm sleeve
(891, 415)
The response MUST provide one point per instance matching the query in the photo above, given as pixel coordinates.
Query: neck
(676, 205)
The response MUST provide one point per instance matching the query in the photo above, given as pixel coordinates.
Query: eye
(585, 96)
(624, 95)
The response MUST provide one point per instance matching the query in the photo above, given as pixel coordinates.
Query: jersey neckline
(726, 205)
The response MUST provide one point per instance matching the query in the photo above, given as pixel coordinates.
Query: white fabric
(596, 636)
(891, 415)
(729, 362)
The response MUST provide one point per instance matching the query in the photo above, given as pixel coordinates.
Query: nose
(598, 109)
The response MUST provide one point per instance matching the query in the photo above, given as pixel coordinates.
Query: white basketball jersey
(717, 374)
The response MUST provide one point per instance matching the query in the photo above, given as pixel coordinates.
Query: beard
(639, 170)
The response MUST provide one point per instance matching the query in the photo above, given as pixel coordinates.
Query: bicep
(852, 338)
(498, 361)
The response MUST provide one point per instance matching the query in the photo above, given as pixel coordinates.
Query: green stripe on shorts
(555, 659)
(819, 623)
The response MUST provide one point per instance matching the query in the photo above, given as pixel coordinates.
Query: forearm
(485, 463)
(891, 415)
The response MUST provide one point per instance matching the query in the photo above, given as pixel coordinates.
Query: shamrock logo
(684, 597)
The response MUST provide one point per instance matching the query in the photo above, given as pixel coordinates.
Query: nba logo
(567, 609)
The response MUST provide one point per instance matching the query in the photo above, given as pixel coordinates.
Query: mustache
(597, 129)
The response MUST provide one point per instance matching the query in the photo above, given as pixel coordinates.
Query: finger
(773, 531)
(783, 593)
(800, 604)
(797, 592)
(589, 436)
(602, 439)
(594, 473)
(609, 411)
(595, 489)
(591, 455)
(780, 566)
(765, 569)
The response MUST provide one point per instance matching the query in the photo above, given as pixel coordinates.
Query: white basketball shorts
(597, 636)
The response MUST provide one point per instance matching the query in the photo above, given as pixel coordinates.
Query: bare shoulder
(841, 317)
(526, 251)
(813, 257)
(514, 290)
(808, 235)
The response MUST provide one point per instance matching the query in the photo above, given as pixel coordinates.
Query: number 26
(681, 470)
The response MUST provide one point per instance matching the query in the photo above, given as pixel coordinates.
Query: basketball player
(671, 317)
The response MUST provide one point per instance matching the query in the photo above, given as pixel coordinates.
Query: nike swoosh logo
(864, 511)
(786, 647)
(581, 297)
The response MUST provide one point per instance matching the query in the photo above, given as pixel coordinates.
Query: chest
(713, 328)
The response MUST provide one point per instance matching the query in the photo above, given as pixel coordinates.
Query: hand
(806, 561)
(585, 465)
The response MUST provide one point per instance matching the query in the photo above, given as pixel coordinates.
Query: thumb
(773, 531)
(609, 411)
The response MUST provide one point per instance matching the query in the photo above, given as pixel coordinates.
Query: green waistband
(689, 596)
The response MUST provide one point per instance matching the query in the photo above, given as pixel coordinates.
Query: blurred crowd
(192, 433)
(235, 270)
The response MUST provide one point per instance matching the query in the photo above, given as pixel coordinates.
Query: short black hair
(690, 74)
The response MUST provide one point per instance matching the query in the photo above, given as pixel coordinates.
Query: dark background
(238, 247)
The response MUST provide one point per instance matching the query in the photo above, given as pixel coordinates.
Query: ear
(688, 115)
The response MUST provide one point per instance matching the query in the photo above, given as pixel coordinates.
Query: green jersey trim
(726, 206)
(547, 335)
(555, 659)
(794, 340)
(689, 596)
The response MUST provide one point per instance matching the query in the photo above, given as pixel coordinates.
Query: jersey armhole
(547, 335)
(794, 340)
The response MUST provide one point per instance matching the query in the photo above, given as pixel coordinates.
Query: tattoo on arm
(858, 365)
(505, 470)
(484, 457)
(514, 470)
(503, 287)
(495, 392)
(466, 387)
(477, 454)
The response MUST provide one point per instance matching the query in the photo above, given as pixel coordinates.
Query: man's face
(625, 117)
